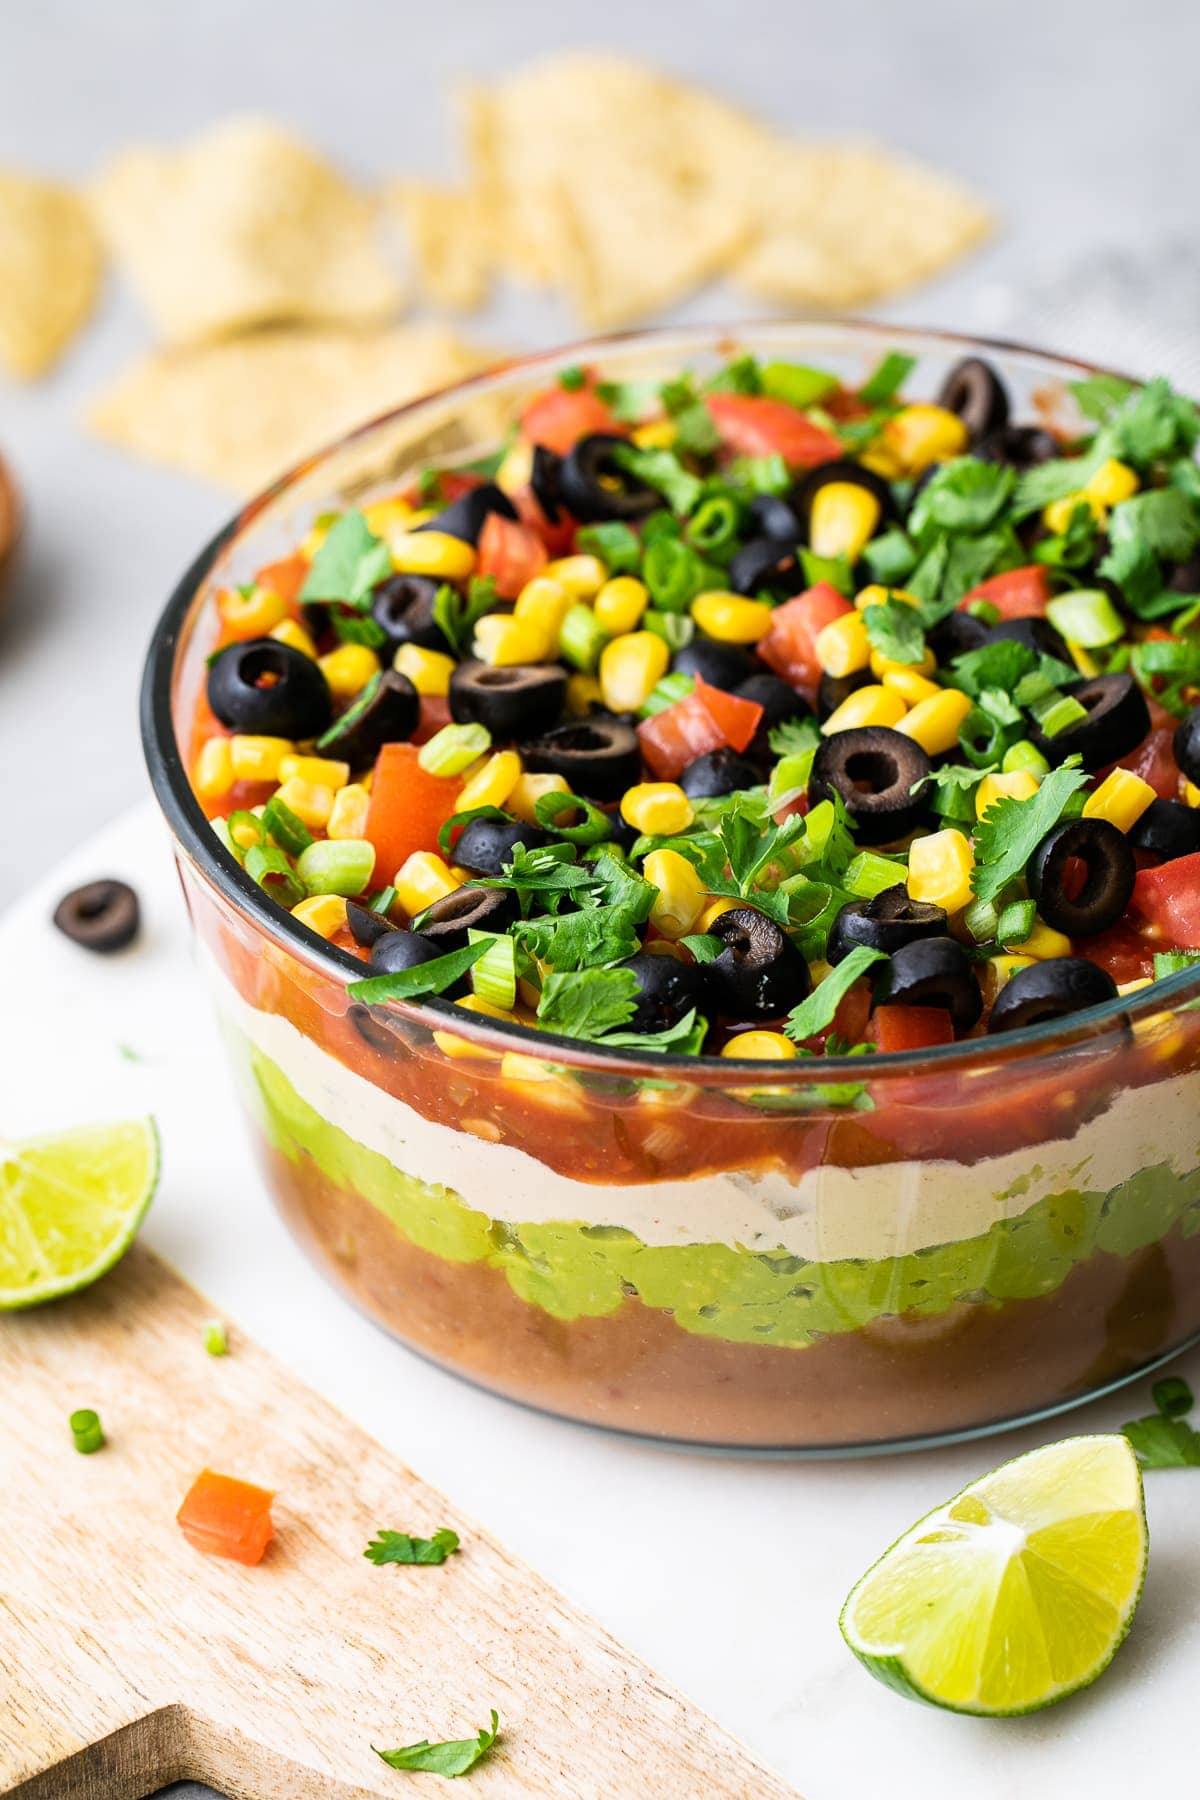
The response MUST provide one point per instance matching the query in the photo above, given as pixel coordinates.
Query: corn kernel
(428, 670)
(251, 612)
(451, 1044)
(939, 869)
(293, 634)
(657, 808)
(866, 706)
(1121, 798)
(880, 461)
(843, 519)
(842, 647)
(431, 553)
(875, 595)
(731, 619)
(1020, 784)
(997, 971)
(621, 603)
(528, 789)
(883, 666)
(322, 769)
(630, 668)
(934, 723)
(505, 641)
(713, 910)
(763, 1046)
(922, 434)
(910, 684)
(1084, 661)
(584, 694)
(1044, 942)
(551, 1089)
(656, 434)
(582, 576)
(681, 897)
(1135, 987)
(310, 801)
(517, 467)
(387, 516)
(544, 604)
(349, 816)
(258, 758)
(323, 913)
(1113, 482)
(348, 669)
(315, 536)
(212, 774)
(1191, 793)
(421, 879)
(492, 781)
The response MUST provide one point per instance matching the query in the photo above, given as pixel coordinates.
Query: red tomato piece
(435, 712)
(911, 1027)
(754, 425)
(706, 719)
(1167, 902)
(454, 483)
(285, 577)
(225, 1517)
(1017, 594)
(1154, 761)
(408, 807)
(1121, 952)
(561, 416)
(735, 718)
(510, 553)
(789, 646)
(558, 538)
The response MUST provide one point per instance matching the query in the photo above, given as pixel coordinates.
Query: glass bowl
(805, 1257)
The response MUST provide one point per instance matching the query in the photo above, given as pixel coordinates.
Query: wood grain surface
(128, 1660)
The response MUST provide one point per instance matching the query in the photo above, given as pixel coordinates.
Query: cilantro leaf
(1134, 568)
(398, 1547)
(1162, 1443)
(887, 378)
(793, 736)
(685, 1037)
(817, 1011)
(456, 615)
(424, 978)
(695, 433)
(739, 376)
(1000, 664)
(1164, 519)
(891, 557)
(1098, 396)
(1153, 424)
(349, 563)
(1055, 480)
(589, 1003)
(1169, 667)
(452, 1758)
(965, 495)
(703, 947)
(895, 630)
(662, 471)
(581, 940)
(1011, 830)
(1073, 548)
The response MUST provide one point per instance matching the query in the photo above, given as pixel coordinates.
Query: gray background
(1078, 119)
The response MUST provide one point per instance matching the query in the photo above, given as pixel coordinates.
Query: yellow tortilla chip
(244, 226)
(49, 271)
(449, 240)
(239, 413)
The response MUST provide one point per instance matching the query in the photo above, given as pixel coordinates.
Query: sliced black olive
(1117, 721)
(269, 690)
(667, 991)
(386, 712)
(932, 971)
(839, 470)
(1186, 744)
(766, 562)
(402, 607)
(1050, 990)
(545, 478)
(874, 769)
(102, 916)
(957, 633)
(593, 485)
(778, 698)
(774, 517)
(1185, 577)
(397, 950)
(721, 665)
(485, 846)
(759, 974)
(450, 920)
(886, 922)
(366, 927)
(510, 701)
(598, 757)
(465, 517)
(1020, 446)
(1108, 871)
(1168, 828)
(833, 689)
(976, 393)
(718, 772)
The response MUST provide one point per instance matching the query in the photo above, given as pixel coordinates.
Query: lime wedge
(70, 1206)
(1015, 1593)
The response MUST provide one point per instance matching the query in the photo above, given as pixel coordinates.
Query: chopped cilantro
(739, 376)
(1162, 1443)
(891, 557)
(965, 495)
(589, 1003)
(425, 978)
(1165, 520)
(1170, 668)
(1152, 425)
(704, 948)
(663, 471)
(1073, 548)
(1171, 962)
(581, 940)
(614, 543)
(356, 628)
(887, 378)
(1055, 480)
(684, 1038)
(1000, 664)
(817, 1011)
(1011, 830)
(1097, 396)
(895, 630)
(695, 433)
(793, 736)
(349, 563)
(453, 1758)
(399, 1547)
(1133, 567)
(572, 378)
(456, 615)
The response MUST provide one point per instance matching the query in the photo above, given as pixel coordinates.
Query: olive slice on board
(723, 666)
(874, 770)
(886, 922)
(465, 517)
(386, 712)
(449, 922)
(976, 393)
(102, 915)
(1186, 744)
(1168, 829)
(759, 974)
(597, 757)
(593, 485)
(267, 689)
(718, 772)
(402, 607)
(931, 971)
(766, 562)
(1117, 721)
(1081, 876)
(366, 927)
(1050, 990)
(510, 700)
(486, 845)
(667, 990)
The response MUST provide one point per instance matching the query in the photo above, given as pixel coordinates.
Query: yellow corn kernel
(1135, 987)
(311, 801)
(258, 758)
(431, 553)
(657, 434)
(844, 517)
(880, 461)
(583, 695)
(451, 1044)
(349, 816)
(505, 641)
(875, 595)
(315, 536)
(428, 670)
(1021, 784)
(1113, 482)
(713, 910)
(866, 706)
(348, 669)
(731, 619)
(582, 576)
(293, 634)
(934, 723)
(1057, 516)
(842, 647)
(491, 782)
(999, 970)
(421, 879)
(883, 666)
(544, 604)
(621, 603)
(630, 667)
(251, 612)
(322, 769)
(212, 773)
(657, 808)
(1121, 798)
(528, 789)
(910, 684)
(1044, 942)
(681, 897)
(1191, 793)
(763, 1046)
(323, 913)
(1084, 661)
(388, 516)
(922, 434)
(939, 869)
(516, 468)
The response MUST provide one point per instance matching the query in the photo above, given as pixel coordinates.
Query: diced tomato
(789, 646)
(737, 719)
(1120, 951)
(561, 416)
(753, 425)
(911, 1027)
(510, 553)
(1166, 901)
(408, 807)
(1154, 761)
(1017, 594)
(285, 577)
(225, 1517)
(559, 538)
(706, 719)
(435, 712)
(853, 1013)
(453, 484)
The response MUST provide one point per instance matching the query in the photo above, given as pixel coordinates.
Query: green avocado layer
(573, 1270)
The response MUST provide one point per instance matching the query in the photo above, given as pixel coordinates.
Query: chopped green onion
(761, 474)
(225, 838)
(886, 378)
(833, 569)
(582, 638)
(790, 778)
(453, 749)
(1015, 924)
(286, 827)
(216, 1338)
(87, 1431)
(982, 738)
(981, 920)
(714, 525)
(337, 866)
(674, 574)
(593, 828)
(955, 803)
(675, 629)
(246, 829)
(494, 976)
(1024, 755)
(869, 874)
(617, 546)
(274, 873)
(672, 687)
(1058, 713)
(383, 902)
(798, 385)
(1086, 617)
(985, 612)
(1172, 1396)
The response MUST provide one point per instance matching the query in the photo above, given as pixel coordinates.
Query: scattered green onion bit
(216, 1338)
(981, 738)
(286, 827)
(553, 809)
(246, 829)
(887, 378)
(453, 749)
(714, 525)
(494, 976)
(1024, 755)
(87, 1431)
(984, 611)
(1015, 924)
(617, 546)
(337, 866)
(798, 385)
(666, 692)
(870, 874)
(982, 921)
(1058, 713)
(581, 638)
(1086, 617)
(1170, 962)
(444, 1759)
(675, 629)
(274, 873)
(383, 902)
(226, 839)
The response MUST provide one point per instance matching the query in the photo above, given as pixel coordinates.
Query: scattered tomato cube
(222, 1516)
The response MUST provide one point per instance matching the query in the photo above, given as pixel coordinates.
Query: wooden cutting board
(128, 1660)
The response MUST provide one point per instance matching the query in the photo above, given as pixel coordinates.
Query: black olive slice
(874, 769)
(1168, 829)
(774, 517)
(384, 1038)
(839, 470)
(1108, 871)
(766, 563)
(402, 607)
(957, 633)
(1038, 635)
(593, 485)
(1021, 446)
(397, 950)
(102, 916)
(511, 701)
(545, 478)
(386, 712)
(759, 974)
(485, 846)
(667, 991)
(268, 689)
(976, 393)
(721, 665)
(1185, 576)
(598, 757)
(886, 922)
(1050, 990)
(1118, 719)
(1186, 744)
(450, 920)
(718, 772)
(778, 698)
(465, 517)
(366, 927)
(833, 689)
(932, 971)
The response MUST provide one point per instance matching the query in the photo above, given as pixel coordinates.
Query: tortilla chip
(449, 240)
(240, 413)
(49, 271)
(244, 226)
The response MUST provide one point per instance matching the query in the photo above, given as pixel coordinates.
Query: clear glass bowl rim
(172, 787)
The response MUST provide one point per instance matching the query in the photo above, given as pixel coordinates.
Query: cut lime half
(1016, 1592)
(70, 1206)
